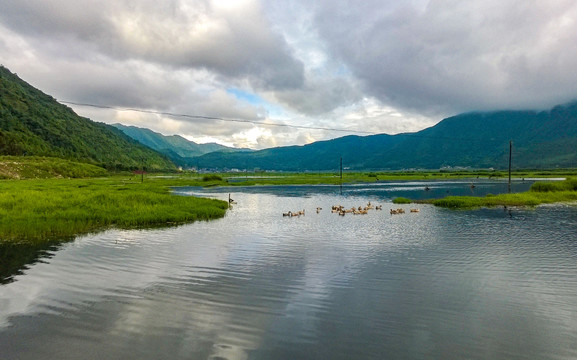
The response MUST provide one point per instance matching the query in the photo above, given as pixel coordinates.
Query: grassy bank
(540, 193)
(41, 210)
(309, 178)
(52, 209)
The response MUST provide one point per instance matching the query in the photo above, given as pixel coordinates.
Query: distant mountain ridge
(541, 139)
(35, 124)
(175, 147)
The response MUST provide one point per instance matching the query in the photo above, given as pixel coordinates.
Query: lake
(437, 284)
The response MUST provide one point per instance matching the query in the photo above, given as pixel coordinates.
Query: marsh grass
(541, 192)
(402, 200)
(211, 177)
(549, 186)
(43, 210)
(312, 178)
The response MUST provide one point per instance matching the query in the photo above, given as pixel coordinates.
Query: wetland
(437, 284)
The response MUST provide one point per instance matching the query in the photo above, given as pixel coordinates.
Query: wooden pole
(341, 175)
(510, 156)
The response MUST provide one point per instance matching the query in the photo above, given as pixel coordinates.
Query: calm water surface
(437, 284)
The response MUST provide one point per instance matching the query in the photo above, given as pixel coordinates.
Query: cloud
(451, 56)
(232, 42)
(197, 115)
(319, 96)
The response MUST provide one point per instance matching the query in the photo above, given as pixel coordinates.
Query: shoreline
(47, 210)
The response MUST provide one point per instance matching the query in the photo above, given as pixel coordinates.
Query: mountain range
(178, 149)
(33, 123)
(540, 139)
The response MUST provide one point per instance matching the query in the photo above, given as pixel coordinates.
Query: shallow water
(437, 284)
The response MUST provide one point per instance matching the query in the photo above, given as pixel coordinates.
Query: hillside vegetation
(35, 124)
(34, 167)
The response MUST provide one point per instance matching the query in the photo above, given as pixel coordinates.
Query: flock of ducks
(296, 213)
(360, 210)
(402, 211)
(339, 209)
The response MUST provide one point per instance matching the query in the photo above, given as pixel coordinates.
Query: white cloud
(376, 65)
(455, 56)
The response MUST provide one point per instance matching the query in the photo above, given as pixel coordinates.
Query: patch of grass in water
(402, 200)
(540, 193)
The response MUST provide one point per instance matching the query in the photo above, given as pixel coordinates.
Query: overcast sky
(381, 66)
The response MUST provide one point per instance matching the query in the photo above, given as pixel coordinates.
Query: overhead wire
(219, 118)
(255, 122)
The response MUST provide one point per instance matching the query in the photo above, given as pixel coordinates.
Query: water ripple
(471, 284)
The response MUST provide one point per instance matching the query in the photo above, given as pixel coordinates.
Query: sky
(325, 68)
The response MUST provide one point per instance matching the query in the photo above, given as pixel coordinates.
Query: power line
(190, 116)
(218, 118)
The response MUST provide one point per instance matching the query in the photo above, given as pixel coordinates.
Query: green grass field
(48, 209)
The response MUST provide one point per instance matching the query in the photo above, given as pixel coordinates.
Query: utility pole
(142, 172)
(510, 156)
(341, 175)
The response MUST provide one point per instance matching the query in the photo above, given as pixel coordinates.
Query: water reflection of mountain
(15, 258)
(383, 190)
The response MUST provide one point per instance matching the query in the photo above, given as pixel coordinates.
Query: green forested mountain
(321, 155)
(175, 147)
(33, 123)
(541, 139)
